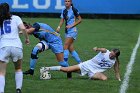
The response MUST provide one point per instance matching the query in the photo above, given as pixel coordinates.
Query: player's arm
(35, 27)
(116, 69)
(30, 30)
(23, 29)
(103, 50)
(60, 25)
(78, 21)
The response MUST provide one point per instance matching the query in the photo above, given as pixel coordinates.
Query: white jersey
(103, 60)
(9, 34)
(99, 63)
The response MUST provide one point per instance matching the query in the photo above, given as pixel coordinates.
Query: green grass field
(110, 34)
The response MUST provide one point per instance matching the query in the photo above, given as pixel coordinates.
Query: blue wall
(84, 6)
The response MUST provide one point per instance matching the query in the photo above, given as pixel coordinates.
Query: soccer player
(49, 39)
(72, 18)
(94, 67)
(10, 45)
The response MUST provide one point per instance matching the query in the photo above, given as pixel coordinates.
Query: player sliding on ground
(94, 67)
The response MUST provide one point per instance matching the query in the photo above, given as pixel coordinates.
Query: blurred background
(122, 9)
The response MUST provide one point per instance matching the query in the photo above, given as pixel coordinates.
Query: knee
(18, 70)
(104, 78)
(65, 69)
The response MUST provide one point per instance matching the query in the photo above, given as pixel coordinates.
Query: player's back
(9, 32)
(46, 33)
(104, 60)
(46, 26)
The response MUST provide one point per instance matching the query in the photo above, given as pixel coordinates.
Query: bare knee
(104, 78)
(65, 69)
(99, 76)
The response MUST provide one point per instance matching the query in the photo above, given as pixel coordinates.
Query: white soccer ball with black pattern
(45, 74)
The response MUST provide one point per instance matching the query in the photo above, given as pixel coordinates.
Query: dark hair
(116, 51)
(27, 25)
(72, 5)
(4, 13)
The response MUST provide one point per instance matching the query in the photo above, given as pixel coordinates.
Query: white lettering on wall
(20, 6)
(45, 6)
(59, 4)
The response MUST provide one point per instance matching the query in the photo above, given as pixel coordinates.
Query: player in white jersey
(10, 45)
(94, 67)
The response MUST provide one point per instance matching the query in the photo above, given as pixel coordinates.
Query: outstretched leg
(74, 68)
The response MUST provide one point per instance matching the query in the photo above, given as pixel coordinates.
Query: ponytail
(72, 5)
(4, 13)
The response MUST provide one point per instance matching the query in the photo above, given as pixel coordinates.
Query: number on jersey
(6, 27)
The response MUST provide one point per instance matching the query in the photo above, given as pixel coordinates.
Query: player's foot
(18, 91)
(43, 69)
(30, 72)
(69, 75)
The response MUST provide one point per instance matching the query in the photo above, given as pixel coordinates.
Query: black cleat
(30, 71)
(69, 75)
(18, 91)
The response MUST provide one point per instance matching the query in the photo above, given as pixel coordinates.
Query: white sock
(2, 83)
(19, 79)
(55, 68)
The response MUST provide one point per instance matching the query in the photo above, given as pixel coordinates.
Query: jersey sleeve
(62, 14)
(36, 26)
(18, 20)
(75, 11)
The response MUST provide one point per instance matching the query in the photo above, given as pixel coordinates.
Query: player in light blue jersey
(49, 39)
(94, 67)
(72, 18)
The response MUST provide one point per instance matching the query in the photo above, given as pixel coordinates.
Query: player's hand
(95, 48)
(58, 29)
(119, 79)
(27, 41)
(69, 26)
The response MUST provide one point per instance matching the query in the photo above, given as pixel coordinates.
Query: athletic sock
(54, 68)
(76, 56)
(33, 63)
(63, 64)
(19, 79)
(66, 55)
(2, 83)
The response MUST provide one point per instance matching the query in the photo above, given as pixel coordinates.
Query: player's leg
(40, 47)
(74, 54)
(17, 55)
(99, 76)
(68, 42)
(2, 75)
(63, 63)
(60, 59)
(4, 59)
(74, 68)
(18, 75)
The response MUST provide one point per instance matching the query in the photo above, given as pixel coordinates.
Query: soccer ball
(45, 74)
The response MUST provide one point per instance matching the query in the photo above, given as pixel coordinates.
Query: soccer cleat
(18, 91)
(30, 71)
(43, 69)
(69, 75)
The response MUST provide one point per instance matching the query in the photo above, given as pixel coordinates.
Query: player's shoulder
(15, 16)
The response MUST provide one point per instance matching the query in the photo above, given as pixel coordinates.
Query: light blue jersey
(53, 41)
(69, 16)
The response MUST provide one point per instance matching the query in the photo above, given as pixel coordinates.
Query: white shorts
(10, 52)
(90, 68)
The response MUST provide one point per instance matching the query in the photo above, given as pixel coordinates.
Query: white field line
(125, 82)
